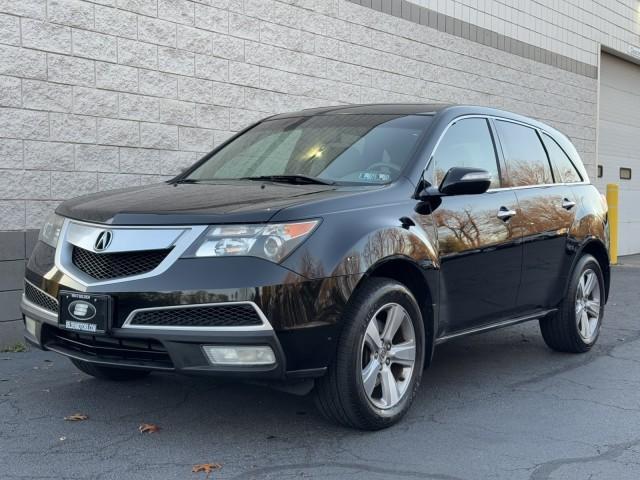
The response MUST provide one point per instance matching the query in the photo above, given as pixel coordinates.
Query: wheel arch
(416, 278)
(598, 250)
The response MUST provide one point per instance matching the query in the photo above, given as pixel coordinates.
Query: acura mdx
(333, 247)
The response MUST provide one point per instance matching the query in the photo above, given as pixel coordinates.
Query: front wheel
(378, 366)
(109, 373)
(576, 326)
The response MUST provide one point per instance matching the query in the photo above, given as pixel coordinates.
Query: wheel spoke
(584, 324)
(580, 292)
(403, 353)
(370, 376)
(589, 283)
(395, 316)
(372, 335)
(593, 307)
(390, 393)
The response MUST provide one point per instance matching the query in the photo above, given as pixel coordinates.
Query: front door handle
(505, 214)
(568, 204)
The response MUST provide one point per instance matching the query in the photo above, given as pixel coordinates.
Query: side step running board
(493, 326)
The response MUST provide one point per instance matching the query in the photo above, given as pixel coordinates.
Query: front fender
(351, 243)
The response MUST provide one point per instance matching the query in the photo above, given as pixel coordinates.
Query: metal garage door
(619, 142)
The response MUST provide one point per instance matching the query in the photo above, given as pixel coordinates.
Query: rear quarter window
(565, 170)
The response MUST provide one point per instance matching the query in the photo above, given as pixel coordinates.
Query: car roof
(368, 109)
(448, 110)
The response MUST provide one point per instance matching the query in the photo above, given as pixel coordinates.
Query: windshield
(357, 149)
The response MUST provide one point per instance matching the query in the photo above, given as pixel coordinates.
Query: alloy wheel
(588, 303)
(388, 356)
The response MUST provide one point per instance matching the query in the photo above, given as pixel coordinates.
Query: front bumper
(160, 350)
(302, 314)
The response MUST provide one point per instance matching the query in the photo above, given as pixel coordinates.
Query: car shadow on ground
(461, 370)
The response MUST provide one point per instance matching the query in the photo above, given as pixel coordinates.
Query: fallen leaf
(62, 439)
(77, 417)
(207, 468)
(148, 428)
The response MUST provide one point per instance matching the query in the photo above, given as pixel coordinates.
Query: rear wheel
(377, 370)
(109, 373)
(576, 326)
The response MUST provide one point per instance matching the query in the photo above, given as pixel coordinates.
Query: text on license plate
(86, 327)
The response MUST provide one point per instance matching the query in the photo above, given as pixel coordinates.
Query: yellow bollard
(612, 200)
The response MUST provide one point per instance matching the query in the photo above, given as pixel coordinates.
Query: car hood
(205, 203)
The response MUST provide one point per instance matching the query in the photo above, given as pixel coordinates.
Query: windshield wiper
(299, 179)
(187, 180)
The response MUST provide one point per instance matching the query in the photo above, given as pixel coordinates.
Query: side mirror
(465, 181)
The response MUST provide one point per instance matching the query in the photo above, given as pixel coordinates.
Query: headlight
(50, 231)
(269, 241)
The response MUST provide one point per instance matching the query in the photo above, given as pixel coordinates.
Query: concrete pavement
(497, 406)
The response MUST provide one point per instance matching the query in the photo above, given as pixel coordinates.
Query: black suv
(334, 246)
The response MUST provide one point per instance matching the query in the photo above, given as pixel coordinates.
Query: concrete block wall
(15, 247)
(100, 94)
(574, 28)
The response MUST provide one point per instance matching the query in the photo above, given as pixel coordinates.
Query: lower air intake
(233, 315)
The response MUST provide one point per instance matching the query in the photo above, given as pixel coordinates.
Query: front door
(480, 252)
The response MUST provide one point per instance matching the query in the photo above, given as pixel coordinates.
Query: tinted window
(342, 148)
(467, 143)
(527, 162)
(563, 165)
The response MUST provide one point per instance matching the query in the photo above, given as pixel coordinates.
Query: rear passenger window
(526, 160)
(561, 161)
(467, 143)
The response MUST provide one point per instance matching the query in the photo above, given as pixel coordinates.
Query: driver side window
(467, 143)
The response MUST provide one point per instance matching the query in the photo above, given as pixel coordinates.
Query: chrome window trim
(266, 325)
(503, 119)
(64, 262)
(541, 185)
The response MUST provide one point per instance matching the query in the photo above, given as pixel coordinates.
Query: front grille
(102, 266)
(145, 352)
(234, 315)
(40, 298)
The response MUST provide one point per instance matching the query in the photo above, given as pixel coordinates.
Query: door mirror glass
(465, 181)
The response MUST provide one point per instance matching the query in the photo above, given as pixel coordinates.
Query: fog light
(30, 325)
(239, 355)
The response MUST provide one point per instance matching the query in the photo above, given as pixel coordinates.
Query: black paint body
(507, 271)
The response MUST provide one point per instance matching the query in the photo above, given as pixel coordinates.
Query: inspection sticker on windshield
(374, 177)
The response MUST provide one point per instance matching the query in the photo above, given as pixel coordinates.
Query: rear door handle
(568, 204)
(505, 214)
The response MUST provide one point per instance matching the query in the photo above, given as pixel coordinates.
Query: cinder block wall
(101, 94)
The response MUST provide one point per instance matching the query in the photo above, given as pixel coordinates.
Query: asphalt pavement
(499, 405)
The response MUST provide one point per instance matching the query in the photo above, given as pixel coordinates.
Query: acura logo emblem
(103, 241)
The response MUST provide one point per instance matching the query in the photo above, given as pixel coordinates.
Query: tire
(567, 330)
(109, 373)
(340, 395)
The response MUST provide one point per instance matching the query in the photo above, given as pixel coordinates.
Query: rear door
(480, 254)
(547, 207)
